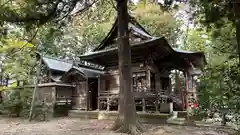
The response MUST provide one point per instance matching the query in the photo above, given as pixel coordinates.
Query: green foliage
(158, 22)
(18, 104)
(32, 12)
(197, 41)
(214, 11)
(219, 85)
(93, 26)
(13, 44)
(20, 66)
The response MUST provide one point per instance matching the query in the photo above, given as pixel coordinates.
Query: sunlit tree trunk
(127, 120)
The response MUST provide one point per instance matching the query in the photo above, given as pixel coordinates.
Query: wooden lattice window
(139, 81)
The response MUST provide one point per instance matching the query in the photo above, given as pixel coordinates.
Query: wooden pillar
(49, 75)
(99, 87)
(88, 96)
(170, 86)
(54, 99)
(170, 91)
(148, 77)
(156, 106)
(186, 95)
(118, 105)
(194, 87)
(108, 105)
(143, 105)
(148, 80)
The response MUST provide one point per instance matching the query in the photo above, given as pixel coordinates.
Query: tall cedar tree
(127, 120)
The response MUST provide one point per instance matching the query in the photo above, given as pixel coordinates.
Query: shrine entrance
(93, 93)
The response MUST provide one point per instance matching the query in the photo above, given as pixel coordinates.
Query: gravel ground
(70, 126)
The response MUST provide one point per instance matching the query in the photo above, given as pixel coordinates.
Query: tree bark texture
(238, 38)
(127, 120)
(236, 7)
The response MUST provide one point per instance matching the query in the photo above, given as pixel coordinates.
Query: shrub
(13, 105)
(19, 102)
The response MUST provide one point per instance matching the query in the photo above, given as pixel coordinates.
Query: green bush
(13, 106)
(19, 102)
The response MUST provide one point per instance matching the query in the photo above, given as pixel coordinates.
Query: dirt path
(68, 126)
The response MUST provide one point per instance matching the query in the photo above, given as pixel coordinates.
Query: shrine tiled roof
(55, 64)
(141, 42)
(65, 66)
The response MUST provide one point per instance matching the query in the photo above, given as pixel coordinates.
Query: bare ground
(70, 126)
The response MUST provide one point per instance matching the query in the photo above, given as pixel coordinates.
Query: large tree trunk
(236, 6)
(127, 120)
(238, 37)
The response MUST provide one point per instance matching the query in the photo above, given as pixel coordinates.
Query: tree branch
(30, 40)
(81, 11)
(37, 18)
(5, 3)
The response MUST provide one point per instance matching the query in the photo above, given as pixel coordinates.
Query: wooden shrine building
(73, 81)
(96, 87)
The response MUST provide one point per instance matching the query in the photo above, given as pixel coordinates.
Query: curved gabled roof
(109, 45)
(133, 25)
(159, 50)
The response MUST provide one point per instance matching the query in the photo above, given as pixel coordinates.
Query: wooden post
(88, 96)
(148, 80)
(170, 92)
(108, 105)
(186, 100)
(118, 105)
(156, 106)
(49, 75)
(99, 87)
(148, 77)
(54, 97)
(143, 105)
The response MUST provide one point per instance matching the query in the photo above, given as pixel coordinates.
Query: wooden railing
(63, 101)
(147, 93)
(152, 98)
(107, 94)
(176, 96)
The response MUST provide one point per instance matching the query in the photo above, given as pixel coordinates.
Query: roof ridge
(58, 59)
